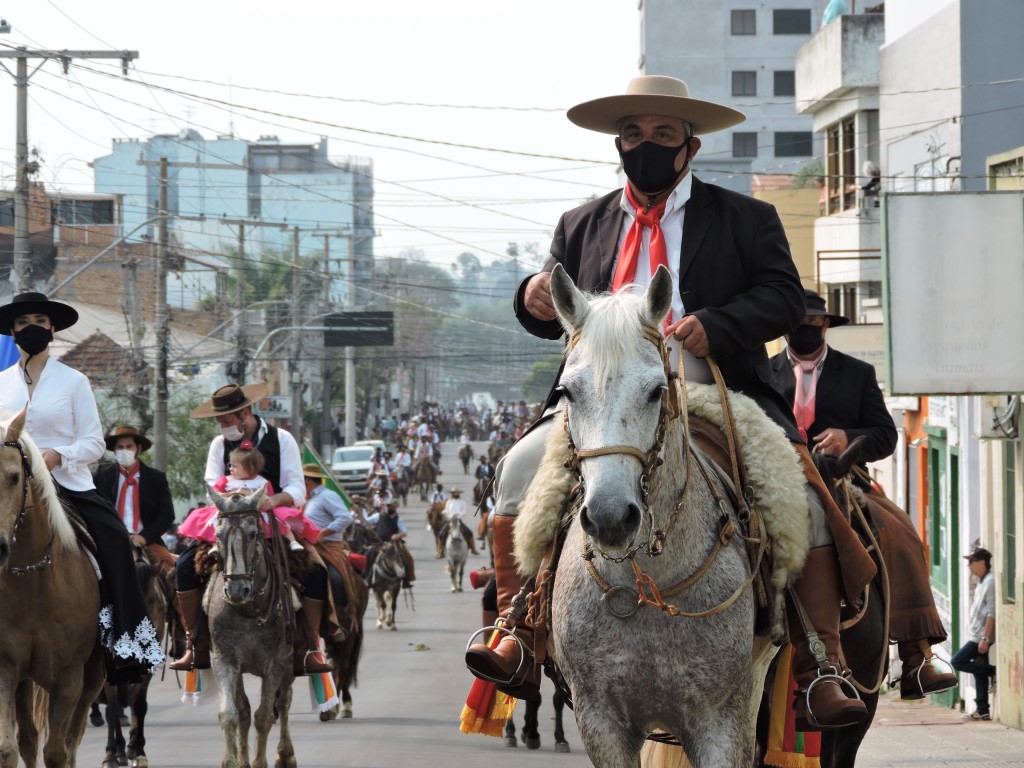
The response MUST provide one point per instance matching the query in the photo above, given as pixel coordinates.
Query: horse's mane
(610, 331)
(46, 491)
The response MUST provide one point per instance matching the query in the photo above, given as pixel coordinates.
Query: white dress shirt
(62, 415)
(130, 522)
(454, 508)
(292, 481)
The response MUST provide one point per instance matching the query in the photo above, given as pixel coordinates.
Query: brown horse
(49, 609)
(424, 475)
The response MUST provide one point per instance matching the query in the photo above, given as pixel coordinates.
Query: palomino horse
(134, 696)
(424, 476)
(648, 518)
(49, 609)
(249, 609)
(386, 578)
(456, 549)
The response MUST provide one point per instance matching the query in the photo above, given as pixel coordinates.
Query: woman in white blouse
(63, 420)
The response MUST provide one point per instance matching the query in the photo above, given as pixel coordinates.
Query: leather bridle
(27, 476)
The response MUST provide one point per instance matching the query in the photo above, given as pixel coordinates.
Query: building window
(793, 144)
(744, 83)
(840, 165)
(744, 144)
(791, 22)
(1009, 564)
(744, 22)
(785, 83)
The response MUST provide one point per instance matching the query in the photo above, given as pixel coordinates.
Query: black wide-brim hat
(230, 398)
(815, 306)
(61, 315)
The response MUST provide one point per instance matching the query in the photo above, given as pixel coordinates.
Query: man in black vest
(139, 493)
(232, 405)
(389, 527)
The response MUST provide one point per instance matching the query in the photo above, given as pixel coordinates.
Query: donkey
(49, 611)
(457, 551)
(633, 662)
(250, 618)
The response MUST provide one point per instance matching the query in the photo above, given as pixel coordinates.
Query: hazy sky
(494, 75)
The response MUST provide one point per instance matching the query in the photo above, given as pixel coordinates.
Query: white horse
(457, 550)
(687, 663)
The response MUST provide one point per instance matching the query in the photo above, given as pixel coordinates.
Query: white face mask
(125, 457)
(232, 434)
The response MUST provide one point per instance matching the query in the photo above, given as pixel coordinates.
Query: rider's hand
(832, 441)
(537, 297)
(692, 334)
(266, 503)
(137, 540)
(51, 457)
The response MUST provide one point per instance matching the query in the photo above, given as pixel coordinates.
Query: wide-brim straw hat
(654, 95)
(61, 315)
(230, 398)
(313, 470)
(126, 431)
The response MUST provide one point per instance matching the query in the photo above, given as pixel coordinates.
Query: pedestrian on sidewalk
(973, 657)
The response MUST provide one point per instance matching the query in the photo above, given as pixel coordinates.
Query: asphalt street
(412, 685)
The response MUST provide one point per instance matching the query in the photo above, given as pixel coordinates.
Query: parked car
(373, 444)
(351, 466)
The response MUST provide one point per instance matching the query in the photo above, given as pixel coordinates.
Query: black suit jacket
(848, 398)
(736, 275)
(157, 513)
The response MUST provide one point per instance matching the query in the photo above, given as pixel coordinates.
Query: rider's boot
(197, 632)
(920, 677)
(818, 592)
(309, 659)
(505, 662)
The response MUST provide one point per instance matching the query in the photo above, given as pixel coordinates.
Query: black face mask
(33, 339)
(806, 339)
(651, 167)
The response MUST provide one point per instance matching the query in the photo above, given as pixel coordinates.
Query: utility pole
(22, 275)
(242, 328)
(350, 355)
(295, 373)
(325, 378)
(161, 320)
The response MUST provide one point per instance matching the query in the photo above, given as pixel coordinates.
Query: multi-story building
(926, 99)
(739, 53)
(269, 186)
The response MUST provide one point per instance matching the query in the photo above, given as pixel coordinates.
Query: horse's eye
(564, 393)
(656, 393)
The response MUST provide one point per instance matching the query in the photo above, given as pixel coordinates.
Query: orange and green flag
(310, 456)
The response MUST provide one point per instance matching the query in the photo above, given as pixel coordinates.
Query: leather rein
(27, 476)
(673, 406)
(269, 591)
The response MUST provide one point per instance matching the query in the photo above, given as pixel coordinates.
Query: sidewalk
(919, 734)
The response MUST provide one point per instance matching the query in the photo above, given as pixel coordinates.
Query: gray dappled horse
(456, 550)
(695, 668)
(49, 613)
(246, 603)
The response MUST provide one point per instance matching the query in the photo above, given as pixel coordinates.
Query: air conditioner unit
(998, 417)
(255, 318)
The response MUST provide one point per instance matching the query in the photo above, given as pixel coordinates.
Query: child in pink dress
(245, 463)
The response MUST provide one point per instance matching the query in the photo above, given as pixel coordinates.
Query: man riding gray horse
(736, 288)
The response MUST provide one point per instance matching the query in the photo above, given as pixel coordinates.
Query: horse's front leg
(244, 721)
(264, 719)
(28, 732)
(227, 716)
(609, 737)
(137, 736)
(285, 748)
(61, 711)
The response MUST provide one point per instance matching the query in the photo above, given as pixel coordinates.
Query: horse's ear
(17, 424)
(570, 303)
(258, 496)
(217, 498)
(849, 457)
(659, 296)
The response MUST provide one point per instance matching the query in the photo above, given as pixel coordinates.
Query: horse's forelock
(610, 335)
(44, 486)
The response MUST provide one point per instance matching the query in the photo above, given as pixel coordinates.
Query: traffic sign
(360, 329)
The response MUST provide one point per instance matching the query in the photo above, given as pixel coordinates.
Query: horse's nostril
(5, 550)
(632, 520)
(585, 522)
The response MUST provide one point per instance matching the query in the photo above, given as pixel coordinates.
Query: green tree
(188, 445)
(538, 382)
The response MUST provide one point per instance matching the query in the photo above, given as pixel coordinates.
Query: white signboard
(275, 407)
(865, 342)
(954, 292)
